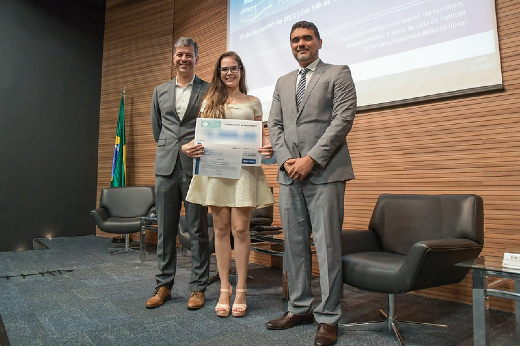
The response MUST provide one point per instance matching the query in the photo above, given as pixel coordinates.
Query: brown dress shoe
(289, 320)
(160, 295)
(196, 300)
(326, 335)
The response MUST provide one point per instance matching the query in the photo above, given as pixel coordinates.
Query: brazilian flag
(119, 161)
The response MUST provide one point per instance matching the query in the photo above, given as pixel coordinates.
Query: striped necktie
(301, 87)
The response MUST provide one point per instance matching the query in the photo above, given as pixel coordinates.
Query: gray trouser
(306, 208)
(170, 192)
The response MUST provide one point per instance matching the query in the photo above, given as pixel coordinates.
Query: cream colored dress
(251, 190)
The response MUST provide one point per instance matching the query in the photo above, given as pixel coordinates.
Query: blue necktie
(301, 87)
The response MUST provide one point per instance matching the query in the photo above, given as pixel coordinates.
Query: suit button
(298, 125)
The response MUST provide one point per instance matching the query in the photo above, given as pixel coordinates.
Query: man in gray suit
(175, 107)
(312, 112)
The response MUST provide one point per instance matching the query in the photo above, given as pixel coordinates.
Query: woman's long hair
(217, 94)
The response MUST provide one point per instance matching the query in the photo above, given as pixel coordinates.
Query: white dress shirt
(311, 67)
(182, 97)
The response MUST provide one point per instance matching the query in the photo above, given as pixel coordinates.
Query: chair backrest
(402, 220)
(262, 216)
(127, 201)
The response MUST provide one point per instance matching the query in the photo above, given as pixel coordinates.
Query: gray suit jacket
(321, 126)
(169, 131)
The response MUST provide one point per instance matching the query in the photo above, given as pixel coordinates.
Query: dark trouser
(170, 192)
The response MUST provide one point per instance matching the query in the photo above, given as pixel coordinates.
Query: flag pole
(119, 160)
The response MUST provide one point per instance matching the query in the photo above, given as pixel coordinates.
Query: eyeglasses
(233, 69)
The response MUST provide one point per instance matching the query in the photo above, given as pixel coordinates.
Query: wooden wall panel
(460, 145)
(137, 54)
(206, 22)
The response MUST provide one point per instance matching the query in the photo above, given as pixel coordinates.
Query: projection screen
(398, 51)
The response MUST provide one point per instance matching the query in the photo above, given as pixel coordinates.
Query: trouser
(306, 208)
(170, 192)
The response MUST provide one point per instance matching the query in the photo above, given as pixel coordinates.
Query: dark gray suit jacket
(321, 126)
(169, 131)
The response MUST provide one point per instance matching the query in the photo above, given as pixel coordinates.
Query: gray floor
(82, 296)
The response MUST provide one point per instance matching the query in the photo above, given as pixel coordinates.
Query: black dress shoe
(326, 335)
(289, 320)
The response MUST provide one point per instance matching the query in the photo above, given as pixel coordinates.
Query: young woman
(231, 200)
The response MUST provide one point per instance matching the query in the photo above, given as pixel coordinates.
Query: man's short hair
(306, 25)
(186, 41)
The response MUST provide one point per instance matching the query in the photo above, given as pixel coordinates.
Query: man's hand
(192, 150)
(298, 169)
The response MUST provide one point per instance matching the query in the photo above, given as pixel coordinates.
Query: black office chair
(261, 217)
(184, 236)
(120, 210)
(412, 243)
(261, 220)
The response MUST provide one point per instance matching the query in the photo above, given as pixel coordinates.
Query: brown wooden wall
(459, 145)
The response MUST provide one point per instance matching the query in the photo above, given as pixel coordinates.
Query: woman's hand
(193, 150)
(266, 150)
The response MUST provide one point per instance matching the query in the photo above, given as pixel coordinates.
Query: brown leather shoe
(326, 335)
(289, 320)
(160, 295)
(196, 300)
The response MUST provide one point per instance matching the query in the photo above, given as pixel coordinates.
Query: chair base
(213, 278)
(389, 323)
(126, 248)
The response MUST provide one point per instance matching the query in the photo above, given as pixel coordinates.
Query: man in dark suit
(312, 112)
(175, 106)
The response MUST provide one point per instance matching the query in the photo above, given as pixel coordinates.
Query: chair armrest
(419, 249)
(450, 244)
(442, 245)
(432, 262)
(260, 228)
(353, 241)
(260, 221)
(100, 215)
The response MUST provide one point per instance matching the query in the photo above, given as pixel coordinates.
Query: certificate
(245, 134)
(219, 160)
